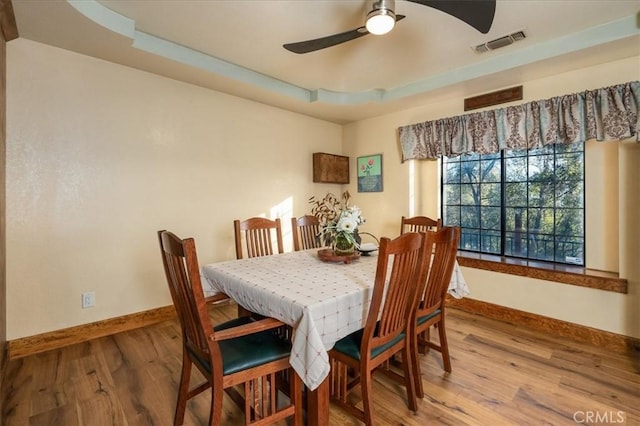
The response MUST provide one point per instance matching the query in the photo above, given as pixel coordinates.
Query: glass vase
(343, 247)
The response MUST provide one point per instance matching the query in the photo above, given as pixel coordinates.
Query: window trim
(547, 271)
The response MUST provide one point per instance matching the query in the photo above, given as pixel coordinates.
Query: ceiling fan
(381, 19)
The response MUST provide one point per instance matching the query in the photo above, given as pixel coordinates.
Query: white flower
(347, 224)
(355, 213)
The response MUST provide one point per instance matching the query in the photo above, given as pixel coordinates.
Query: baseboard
(68, 336)
(4, 359)
(576, 332)
(56, 339)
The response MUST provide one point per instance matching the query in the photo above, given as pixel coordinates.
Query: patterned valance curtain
(610, 113)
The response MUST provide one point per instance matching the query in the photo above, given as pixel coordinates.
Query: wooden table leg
(318, 405)
(242, 312)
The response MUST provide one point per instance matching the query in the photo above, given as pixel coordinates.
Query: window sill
(565, 274)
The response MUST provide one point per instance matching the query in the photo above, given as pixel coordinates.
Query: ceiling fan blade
(477, 13)
(328, 41)
(324, 42)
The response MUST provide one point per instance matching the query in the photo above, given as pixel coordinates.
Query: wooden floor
(501, 375)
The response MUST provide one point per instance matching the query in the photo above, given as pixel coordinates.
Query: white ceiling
(236, 47)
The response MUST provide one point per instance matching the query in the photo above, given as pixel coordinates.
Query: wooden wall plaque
(493, 98)
(329, 168)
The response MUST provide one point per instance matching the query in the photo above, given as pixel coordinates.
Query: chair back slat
(306, 232)
(394, 292)
(444, 247)
(419, 224)
(258, 242)
(258, 233)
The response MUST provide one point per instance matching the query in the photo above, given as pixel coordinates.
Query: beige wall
(93, 145)
(102, 156)
(611, 200)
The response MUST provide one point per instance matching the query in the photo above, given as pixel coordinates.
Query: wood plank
(537, 401)
(101, 410)
(445, 405)
(64, 415)
(502, 374)
(598, 387)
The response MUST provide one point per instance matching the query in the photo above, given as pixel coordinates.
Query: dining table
(323, 301)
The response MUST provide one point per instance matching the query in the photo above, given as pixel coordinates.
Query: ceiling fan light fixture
(381, 19)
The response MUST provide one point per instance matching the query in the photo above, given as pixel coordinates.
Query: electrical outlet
(88, 300)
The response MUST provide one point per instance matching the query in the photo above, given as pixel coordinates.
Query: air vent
(500, 42)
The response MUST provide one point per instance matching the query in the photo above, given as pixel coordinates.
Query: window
(525, 204)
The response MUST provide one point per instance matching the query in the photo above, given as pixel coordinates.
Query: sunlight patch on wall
(412, 188)
(439, 192)
(284, 211)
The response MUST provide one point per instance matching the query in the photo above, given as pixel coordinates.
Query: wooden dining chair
(241, 353)
(430, 309)
(419, 224)
(258, 235)
(386, 332)
(306, 232)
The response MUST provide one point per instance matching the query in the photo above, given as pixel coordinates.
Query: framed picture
(370, 173)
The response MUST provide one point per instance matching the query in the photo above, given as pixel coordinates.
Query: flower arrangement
(338, 221)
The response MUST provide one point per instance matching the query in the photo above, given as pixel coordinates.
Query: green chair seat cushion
(423, 319)
(252, 350)
(248, 351)
(350, 345)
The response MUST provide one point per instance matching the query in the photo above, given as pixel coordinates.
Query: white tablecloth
(323, 302)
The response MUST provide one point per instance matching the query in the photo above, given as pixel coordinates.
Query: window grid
(525, 204)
